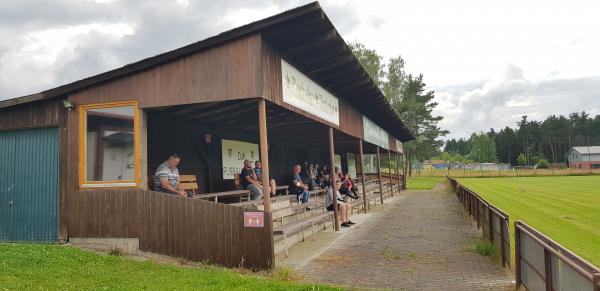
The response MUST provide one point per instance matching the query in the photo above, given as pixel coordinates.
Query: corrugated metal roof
(594, 150)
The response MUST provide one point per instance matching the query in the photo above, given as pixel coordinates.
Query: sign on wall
(337, 161)
(300, 91)
(351, 159)
(370, 164)
(399, 147)
(375, 134)
(254, 219)
(234, 153)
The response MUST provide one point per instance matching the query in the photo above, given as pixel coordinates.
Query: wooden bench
(291, 210)
(260, 201)
(188, 183)
(300, 225)
(215, 196)
(314, 193)
(385, 185)
(284, 188)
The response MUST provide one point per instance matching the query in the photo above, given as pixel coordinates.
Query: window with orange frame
(109, 145)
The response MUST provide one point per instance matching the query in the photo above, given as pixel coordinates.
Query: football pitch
(566, 208)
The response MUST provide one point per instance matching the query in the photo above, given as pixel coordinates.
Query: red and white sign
(254, 219)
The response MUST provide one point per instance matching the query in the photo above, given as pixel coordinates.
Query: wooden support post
(398, 172)
(379, 176)
(336, 219)
(362, 168)
(391, 175)
(264, 153)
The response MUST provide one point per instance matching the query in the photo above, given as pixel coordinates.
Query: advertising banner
(234, 153)
(375, 134)
(301, 92)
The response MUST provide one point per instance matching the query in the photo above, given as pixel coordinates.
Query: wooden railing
(493, 222)
(193, 229)
(543, 264)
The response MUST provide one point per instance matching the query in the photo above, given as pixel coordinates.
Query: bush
(284, 273)
(543, 164)
(522, 160)
(485, 248)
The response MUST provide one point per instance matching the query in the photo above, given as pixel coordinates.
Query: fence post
(477, 202)
(490, 224)
(502, 248)
(596, 281)
(548, 269)
(517, 255)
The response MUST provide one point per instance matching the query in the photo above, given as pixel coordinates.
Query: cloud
(44, 44)
(501, 101)
(489, 65)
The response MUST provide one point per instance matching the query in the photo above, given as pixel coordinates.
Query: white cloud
(501, 101)
(488, 61)
(35, 58)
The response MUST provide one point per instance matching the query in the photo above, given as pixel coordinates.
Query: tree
(415, 105)
(483, 148)
(396, 79)
(371, 62)
(409, 98)
(549, 139)
(522, 160)
(543, 164)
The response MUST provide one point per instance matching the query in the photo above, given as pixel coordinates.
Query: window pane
(109, 148)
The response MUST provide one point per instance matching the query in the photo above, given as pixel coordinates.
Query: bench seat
(215, 196)
(260, 201)
(300, 225)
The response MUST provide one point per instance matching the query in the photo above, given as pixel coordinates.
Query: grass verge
(423, 183)
(54, 267)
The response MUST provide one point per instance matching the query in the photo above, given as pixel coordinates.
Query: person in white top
(344, 208)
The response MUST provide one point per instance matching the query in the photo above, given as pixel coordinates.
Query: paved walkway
(421, 240)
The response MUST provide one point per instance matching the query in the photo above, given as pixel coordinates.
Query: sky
(489, 62)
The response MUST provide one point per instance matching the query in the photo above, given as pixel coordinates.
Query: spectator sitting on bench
(348, 187)
(344, 207)
(297, 187)
(258, 172)
(318, 175)
(166, 177)
(339, 174)
(249, 182)
(307, 178)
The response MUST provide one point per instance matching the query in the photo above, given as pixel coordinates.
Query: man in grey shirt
(166, 177)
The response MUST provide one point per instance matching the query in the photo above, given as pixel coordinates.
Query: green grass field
(54, 267)
(567, 209)
(422, 183)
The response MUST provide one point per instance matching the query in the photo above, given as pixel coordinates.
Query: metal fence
(543, 264)
(516, 172)
(493, 222)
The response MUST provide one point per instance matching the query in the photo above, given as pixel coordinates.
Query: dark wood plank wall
(227, 72)
(351, 121)
(31, 115)
(350, 118)
(193, 229)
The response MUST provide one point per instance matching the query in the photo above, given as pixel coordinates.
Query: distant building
(584, 157)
